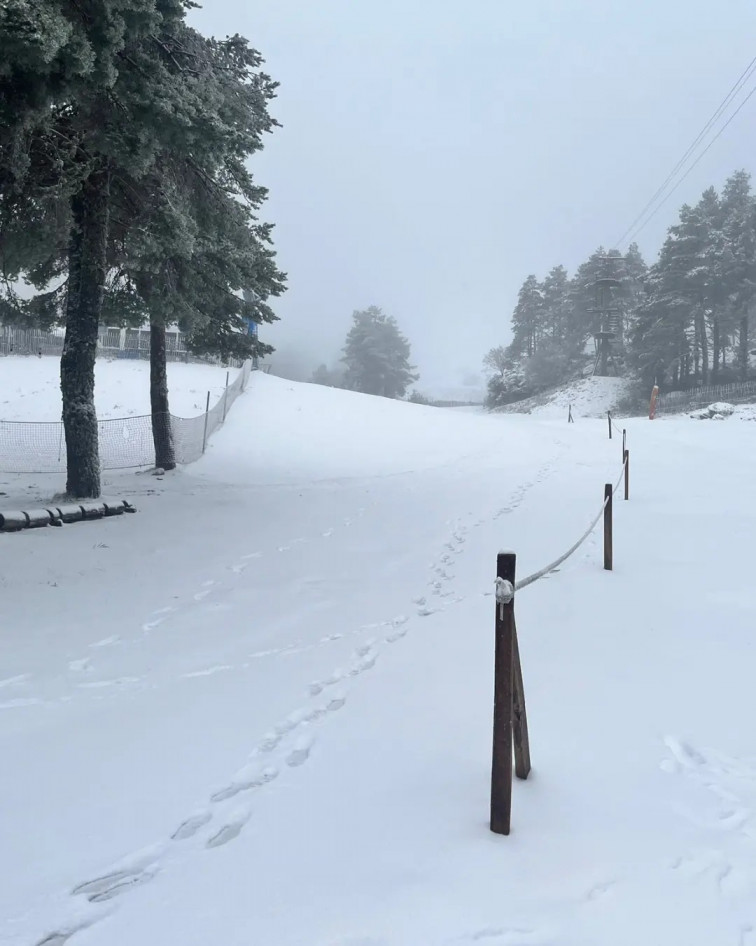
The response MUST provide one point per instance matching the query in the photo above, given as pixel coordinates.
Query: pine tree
(671, 341)
(739, 259)
(556, 303)
(88, 101)
(330, 378)
(192, 250)
(154, 213)
(527, 319)
(376, 355)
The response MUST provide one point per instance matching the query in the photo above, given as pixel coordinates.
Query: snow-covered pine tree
(557, 309)
(527, 318)
(739, 262)
(376, 355)
(86, 100)
(138, 135)
(191, 243)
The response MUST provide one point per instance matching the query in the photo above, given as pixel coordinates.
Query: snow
(589, 397)
(30, 388)
(718, 411)
(259, 711)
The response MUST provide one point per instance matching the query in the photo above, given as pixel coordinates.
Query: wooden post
(627, 474)
(609, 418)
(501, 765)
(225, 399)
(608, 556)
(569, 415)
(624, 441)
(519, 716)
(207, 411)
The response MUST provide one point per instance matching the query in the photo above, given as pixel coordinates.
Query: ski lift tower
(608, 309)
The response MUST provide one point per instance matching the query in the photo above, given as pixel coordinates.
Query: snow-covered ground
(589, 397)
(259, 711)
(30, 388)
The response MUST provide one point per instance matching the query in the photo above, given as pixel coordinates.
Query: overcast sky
(435, 152)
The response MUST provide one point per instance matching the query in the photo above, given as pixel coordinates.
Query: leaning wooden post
(207, 411)
(627, 474)
(501, 765)
(519, 716)
(609, 418)
(608, 557)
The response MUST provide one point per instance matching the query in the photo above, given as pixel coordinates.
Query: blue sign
(251, 327)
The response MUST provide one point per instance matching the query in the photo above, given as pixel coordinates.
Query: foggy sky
(436, 152)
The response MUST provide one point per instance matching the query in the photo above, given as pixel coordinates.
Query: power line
(738, 85)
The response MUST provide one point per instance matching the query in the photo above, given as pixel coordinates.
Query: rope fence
(511, 740)
(125, 442)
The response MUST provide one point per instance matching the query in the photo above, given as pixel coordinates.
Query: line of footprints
(288, 745)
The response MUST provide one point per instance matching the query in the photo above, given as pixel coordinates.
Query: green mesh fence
(125, 443)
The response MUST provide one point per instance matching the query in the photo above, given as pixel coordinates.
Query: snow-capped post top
(504, 591)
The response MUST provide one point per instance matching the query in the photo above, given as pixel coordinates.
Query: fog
(435, 152)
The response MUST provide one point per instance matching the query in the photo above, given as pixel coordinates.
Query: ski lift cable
(738, 85)
(695, 163)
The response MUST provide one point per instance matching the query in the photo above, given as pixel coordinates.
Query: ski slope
(259, 711)
(588, 397)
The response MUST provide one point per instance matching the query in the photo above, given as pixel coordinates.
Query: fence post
(627, 474)
(519, 715)
(207, 411)
(501, 764)
(225, 398)
(609, 418)
(608, 552)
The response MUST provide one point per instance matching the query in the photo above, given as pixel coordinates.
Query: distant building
(126, 340)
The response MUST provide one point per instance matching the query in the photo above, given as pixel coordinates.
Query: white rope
(524, 582)
(621, 478)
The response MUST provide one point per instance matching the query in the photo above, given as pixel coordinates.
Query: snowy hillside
(30, 388)
(589, 397)
(259, 711)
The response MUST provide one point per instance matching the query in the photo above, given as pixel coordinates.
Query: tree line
(125, 195)
(682, 321)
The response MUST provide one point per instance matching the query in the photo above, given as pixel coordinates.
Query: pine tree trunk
(704, 346)
(86, 283)
(696, 353)
(744, 347)
(162, 434)
(716, 343)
